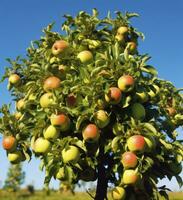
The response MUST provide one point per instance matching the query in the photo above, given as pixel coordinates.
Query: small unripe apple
(60, 120)
(138, 111)
(59, 47)
(113, 96)
(150, 143)
(42, 145)
(102, 118)
(118, 193)
(122, 30)
(14, 79)
(85, 56)
(91, 133)
(126, 83)
(61, 174)
(20, 104)
(130, 177)
(47, 100)
(51, 133)
(15, 157)
(129, 160)
(9, 143)
(51, 83)
(136, 143)
(71, 154)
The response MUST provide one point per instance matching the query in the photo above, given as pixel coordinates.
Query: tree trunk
(102, 182)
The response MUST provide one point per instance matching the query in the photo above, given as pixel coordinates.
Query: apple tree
(90, 107)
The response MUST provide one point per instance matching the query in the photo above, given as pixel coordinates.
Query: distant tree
(15, 177)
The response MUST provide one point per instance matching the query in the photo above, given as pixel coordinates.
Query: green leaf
(149, 69)
(150, 127)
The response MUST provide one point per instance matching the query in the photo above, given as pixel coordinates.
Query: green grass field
(58, 196)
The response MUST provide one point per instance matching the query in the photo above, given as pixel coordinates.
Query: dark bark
(102, 182)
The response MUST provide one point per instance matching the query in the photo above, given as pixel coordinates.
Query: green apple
(85, 56)
(15, 157)
(138, 111)
(130, 177)
(47, 100)
(42, 145)
(71, 154)
(51, 132)
(102, 118)
(118, 193)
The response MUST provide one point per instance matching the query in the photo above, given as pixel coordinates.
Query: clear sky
(22, 21)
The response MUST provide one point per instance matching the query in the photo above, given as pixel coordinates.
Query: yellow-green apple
(51, 83)
(15, 157)
(91, 133)
(130, 177)
(171, 111)
(20, 105)
(129, 160)
(62, 174)
(59, 47)
(18, 115)
(60, 120)
(102, 118)
(51, 132)
(120, 38)
(138, 111)
(42, 145)
(150, 143)
(113, 96)
(136, 143)
(14, 79)
(142, 95)
(85, 56)
(9, 143)
(118, 193)
(122, 30)
(47, 100)
(126, 83)
(71, 154)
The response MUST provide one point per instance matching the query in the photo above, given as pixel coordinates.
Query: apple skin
(61, 174)
(122, 30)
(15, 157)
(113, 96)
(102, 118)
(59, 47)
(47, 100)
(9, 143)
(51, 133)
(132, 46)
(18, 115)
(51, 83)
(20, 105)
(85, 56)
(171, 111)
(14, 79)
(126, 83)
(60, 120)
(118, 193)
(130, 177)
(136, 143)
(42, 145)
(91, 133)
(129, 160)
(71, 154)
(150, 144)
(138, 111)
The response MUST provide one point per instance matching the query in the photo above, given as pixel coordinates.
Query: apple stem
(102, 182)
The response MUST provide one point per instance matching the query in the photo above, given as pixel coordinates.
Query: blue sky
(22, 21)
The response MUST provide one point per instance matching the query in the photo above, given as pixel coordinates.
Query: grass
(39, 195)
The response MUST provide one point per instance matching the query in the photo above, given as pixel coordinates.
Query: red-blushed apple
(118, 193)
(126, 83)
(132, 46)
(51, 83)
(136, 143)
(85, 56)
(138, 111)
(102, 118)
(14, 79)
(130, 177)
(20, 105)
(62, 174)
(171, 111)
(15, 157)
(71, 154)
(60, 120)
(150, 143)
(59, 47)
(42, 145)
(113, 96)
(129, 160)
(91, 133)
(9, 143)
(51, 132)
(47, 100)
